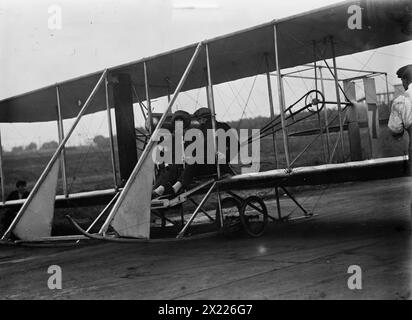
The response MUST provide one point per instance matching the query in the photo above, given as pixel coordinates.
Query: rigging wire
(197, 98)
(85, 156)
(366, 63)
(237, 96)
(247, 101)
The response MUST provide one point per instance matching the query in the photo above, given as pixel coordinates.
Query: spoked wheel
(254, 216)
(231, 215)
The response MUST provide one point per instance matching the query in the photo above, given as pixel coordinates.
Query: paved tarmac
(365, 224)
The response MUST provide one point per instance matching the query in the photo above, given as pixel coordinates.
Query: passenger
(169, 173)
(400, 118)
(204, 117)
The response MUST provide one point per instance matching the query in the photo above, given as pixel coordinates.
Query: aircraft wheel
(231, 214)
(254, 216)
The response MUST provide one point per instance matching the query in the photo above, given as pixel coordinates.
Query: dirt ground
(366, 224)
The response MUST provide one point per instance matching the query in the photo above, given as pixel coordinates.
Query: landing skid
(100, 237)
(49, 242)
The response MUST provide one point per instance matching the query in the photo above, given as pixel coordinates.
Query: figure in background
(20, 192)
(400, 118)
(9, 215)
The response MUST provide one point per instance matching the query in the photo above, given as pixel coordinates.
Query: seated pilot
(204, 117)
(178, 177)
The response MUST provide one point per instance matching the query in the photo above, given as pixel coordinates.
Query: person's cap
(405, 71)
(202, 113)
(181, 115)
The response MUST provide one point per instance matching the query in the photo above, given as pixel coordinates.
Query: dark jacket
(219, 125)
(14, 195)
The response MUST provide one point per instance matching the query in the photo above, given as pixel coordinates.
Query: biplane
(304, 39)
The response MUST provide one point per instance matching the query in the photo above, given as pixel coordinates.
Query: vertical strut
(278, 203)
(387, 91)
(3, 196)
(61, 137)
(110, 128)
(211, 102)
(211, 105)
(194, 214)
(281, 99)
(325, 112)
(148, 102)
(315, 57)
(272, 111)
(168, 89)
(335, 71)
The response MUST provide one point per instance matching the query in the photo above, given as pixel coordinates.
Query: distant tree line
(99, 142)
(32, 147)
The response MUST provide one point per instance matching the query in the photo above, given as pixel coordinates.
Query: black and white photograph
(205, 154)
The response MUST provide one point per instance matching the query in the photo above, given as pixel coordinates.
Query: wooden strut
(338, 100)
(148, 101)
(335, 71)
(387, 90)
(110, 128)
(3, 195)
(280, 218)
(325, 113)
(151, 141)
(139, 101)
(53, 159)
(104, 211)
(135, 240)
(315, 56)
(211, 105)
(193, 216)
(271, 109)
(60, 130)
(281, 98)
(202, 210)
(282, 113)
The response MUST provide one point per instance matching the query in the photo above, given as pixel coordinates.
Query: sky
(95, 34)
